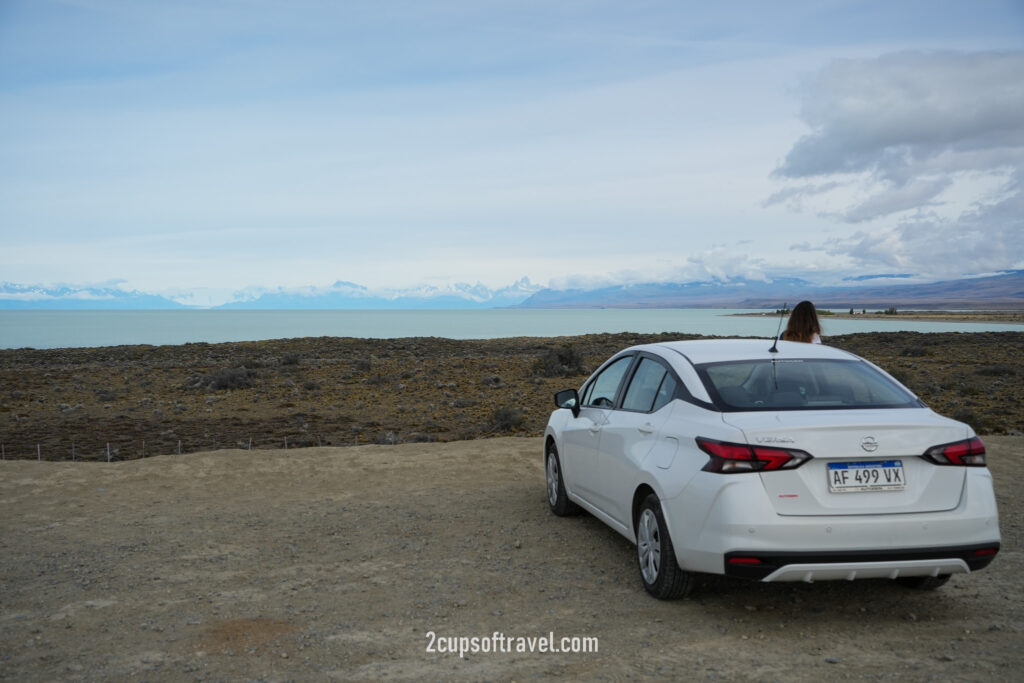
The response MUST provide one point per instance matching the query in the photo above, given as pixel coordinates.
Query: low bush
(563, 361)
(996, 371)
(220, 380)
(506, 419)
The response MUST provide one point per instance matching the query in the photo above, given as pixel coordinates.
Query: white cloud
(888, 115)
(913, 195)
(926, 149)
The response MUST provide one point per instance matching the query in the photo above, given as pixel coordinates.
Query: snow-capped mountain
(348, 295)
(15, 296)
(1002, 290)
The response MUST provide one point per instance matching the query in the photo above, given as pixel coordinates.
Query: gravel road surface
(348, 563)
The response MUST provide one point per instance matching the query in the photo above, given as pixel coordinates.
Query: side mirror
(568, 398)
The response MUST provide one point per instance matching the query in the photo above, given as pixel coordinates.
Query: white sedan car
(792, 462)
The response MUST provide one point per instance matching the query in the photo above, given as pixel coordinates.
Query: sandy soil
(336, 563)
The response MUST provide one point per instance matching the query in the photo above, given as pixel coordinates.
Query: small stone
(832, 660)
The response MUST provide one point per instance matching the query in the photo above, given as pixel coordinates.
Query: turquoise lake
(56, 329)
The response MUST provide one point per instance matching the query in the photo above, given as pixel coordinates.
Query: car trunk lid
(871, 457)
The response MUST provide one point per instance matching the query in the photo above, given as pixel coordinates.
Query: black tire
(923, 583)
(558, 500)
(656, 558)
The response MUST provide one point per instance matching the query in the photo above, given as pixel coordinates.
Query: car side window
(601, 392)
(666, 392)
(651, 387)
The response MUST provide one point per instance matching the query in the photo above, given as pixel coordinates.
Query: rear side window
(794, 384)
(666, 392)
(601, 392)
(651, 387)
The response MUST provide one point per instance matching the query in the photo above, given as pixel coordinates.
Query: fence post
(286, 443)
(39, 452)
(250, 443)
(143, 448)
(108, 451)
(72, 451)
(179, 446)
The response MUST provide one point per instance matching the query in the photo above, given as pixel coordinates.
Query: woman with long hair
(803, 325)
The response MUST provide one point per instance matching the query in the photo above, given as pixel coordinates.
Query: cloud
(889, 115)
(926, 149)
(793, 197)
(983, 239)
(722, 263)
(915, 194)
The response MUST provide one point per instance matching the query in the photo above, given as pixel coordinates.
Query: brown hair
(803, 323)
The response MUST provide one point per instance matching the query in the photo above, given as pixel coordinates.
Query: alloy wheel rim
(552, 480)
(648, 546)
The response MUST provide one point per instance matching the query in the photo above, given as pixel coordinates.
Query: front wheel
(558, 500)
(659, 571)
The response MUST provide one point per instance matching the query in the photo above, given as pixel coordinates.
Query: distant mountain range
(1005, 290)
(339, 295)
(67, 297)
(348, 295)
(1002, 291)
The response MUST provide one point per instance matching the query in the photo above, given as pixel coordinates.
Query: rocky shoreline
(128, 402)
(998, 317)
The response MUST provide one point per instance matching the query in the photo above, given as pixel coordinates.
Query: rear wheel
(558, 500)
(656, 557)
(923, 583)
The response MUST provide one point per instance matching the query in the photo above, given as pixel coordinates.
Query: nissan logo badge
(869, 444)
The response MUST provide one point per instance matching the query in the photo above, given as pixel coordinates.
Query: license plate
(877, 475)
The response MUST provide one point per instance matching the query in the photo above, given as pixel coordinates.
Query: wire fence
(120, 450)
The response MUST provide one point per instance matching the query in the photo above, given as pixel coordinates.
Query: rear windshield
(801, 385)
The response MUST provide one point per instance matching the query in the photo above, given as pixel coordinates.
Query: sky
(199, 147)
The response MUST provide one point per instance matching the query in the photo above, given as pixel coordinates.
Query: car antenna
(775, 344)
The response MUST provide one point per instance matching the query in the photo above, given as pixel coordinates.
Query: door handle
(646, 428)
(594, 429)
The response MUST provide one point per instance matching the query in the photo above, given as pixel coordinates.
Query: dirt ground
(338, 563)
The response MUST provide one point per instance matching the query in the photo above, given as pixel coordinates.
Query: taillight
(733, 458)
(967, 453)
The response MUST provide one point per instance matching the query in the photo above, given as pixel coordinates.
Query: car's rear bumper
(862, 564)
(738, 520)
